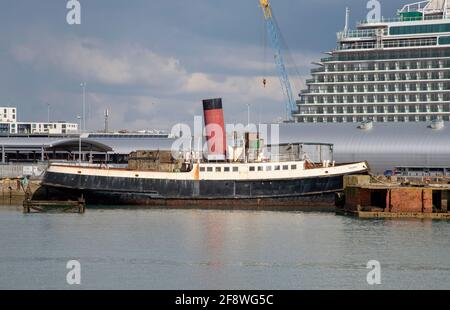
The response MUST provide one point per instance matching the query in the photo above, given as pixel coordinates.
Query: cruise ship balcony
(318, 70)
(327, 59)
(360, 34)
(387, 44)
(400, 19)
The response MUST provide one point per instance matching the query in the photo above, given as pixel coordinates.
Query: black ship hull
(314, 193)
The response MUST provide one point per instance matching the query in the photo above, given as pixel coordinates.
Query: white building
(8, 115)
(10, 125)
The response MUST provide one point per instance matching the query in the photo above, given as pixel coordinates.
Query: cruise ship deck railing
(403, 19)
(389, 44)
(361, 33)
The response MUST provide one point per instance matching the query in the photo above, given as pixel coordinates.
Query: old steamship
(213, 182)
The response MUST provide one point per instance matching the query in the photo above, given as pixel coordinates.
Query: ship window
(209, 169)
(252, 168)
(285, 167)
(226, 169)
(218, 169)
(269, 168)
(444, 40)
(202, 169)
(260, 168)
(235, 169)
(277, 168)
(293, 167)
(419, 29)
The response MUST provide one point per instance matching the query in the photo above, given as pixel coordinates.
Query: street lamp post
(83, 85)
(48, 113)
(248, 115)
(79, 140)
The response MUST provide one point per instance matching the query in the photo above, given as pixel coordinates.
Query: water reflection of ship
(215, 238)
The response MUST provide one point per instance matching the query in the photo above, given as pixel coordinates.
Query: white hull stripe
(242, 174)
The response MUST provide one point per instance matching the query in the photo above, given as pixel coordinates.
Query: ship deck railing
(403, 19)
(361, 33)
(388, 44)
(86, 164)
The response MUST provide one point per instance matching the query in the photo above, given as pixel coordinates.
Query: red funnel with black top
(215, 129)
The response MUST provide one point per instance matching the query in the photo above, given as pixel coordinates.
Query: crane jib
(274, 35)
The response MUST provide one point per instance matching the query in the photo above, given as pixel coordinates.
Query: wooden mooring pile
(40, 206)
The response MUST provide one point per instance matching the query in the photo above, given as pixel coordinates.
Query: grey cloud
(152, 62)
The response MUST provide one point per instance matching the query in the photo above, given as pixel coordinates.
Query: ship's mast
(347, 17)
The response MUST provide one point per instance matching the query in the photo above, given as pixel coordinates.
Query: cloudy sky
(152, 61)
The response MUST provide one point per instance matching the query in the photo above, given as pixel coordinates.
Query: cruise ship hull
(315, 193)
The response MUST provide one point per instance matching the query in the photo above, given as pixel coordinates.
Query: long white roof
(385, 146)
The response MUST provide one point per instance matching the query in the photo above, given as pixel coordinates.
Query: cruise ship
(386, 70)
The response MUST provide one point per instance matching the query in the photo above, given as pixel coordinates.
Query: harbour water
(193, 249)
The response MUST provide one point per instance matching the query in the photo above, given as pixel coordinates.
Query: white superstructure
(216, 172)
(388, 70)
